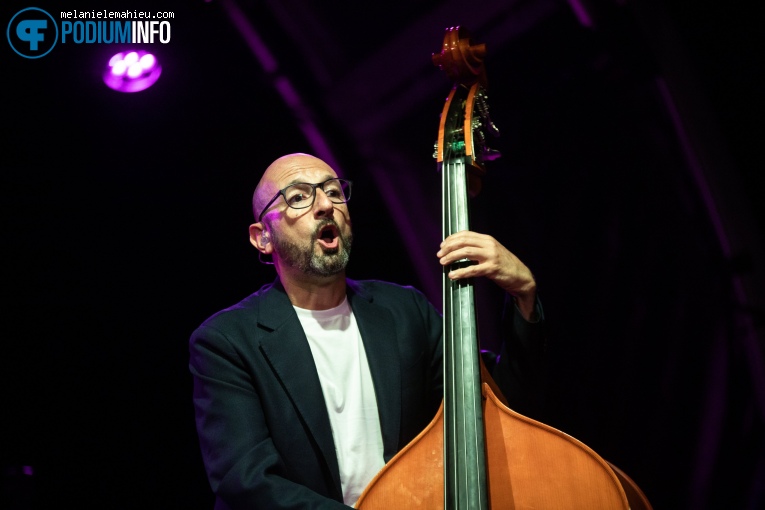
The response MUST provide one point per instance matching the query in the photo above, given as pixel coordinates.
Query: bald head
(284, 171)
(310, 239)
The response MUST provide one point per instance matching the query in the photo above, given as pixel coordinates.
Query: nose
(322, 205)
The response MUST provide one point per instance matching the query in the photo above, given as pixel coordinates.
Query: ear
(256, 238)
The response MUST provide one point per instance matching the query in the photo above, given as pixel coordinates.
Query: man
(306, 388)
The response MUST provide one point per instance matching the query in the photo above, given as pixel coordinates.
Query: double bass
(477, 453)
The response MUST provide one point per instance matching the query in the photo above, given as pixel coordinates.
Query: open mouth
(329, 236)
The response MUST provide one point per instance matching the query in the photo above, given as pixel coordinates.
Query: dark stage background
(630, 182)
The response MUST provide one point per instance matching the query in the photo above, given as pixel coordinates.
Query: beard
(303, 256)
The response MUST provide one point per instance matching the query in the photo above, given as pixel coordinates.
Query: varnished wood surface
(531, 466)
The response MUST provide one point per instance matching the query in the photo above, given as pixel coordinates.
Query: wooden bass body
(530, 465)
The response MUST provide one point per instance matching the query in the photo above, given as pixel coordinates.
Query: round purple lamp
(132, 71)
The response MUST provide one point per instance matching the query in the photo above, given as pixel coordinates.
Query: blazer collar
(288, 348)
(381, 345)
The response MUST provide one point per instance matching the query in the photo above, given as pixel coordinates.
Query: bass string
(463, 405)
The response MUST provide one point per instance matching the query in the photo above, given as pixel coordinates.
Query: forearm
(520, 370)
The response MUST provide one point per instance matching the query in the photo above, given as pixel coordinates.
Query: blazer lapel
(380, 343)
(286, 347)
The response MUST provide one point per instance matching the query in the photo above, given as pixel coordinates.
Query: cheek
(346, 217)
(297, 224)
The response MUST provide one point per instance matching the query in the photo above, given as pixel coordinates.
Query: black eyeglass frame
(346, 194)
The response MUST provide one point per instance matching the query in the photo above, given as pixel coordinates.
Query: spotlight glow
(132, 72)
(131, 58)
(119, 68)
(148, 61)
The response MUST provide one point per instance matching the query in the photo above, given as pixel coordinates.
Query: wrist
(526, 302)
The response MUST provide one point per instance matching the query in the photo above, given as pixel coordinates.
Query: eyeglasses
(302, 194)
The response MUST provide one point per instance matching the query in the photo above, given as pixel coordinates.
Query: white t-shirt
(346, 382)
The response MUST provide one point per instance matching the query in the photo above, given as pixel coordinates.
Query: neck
(314, 292)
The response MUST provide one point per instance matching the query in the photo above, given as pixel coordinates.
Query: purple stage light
(132, 71)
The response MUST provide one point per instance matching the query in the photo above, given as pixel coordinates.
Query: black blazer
(262, 423)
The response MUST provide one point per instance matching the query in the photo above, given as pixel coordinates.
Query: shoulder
(389, 295)
(378, 289)
(262, 306)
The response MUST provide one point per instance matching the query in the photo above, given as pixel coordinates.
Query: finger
(475, 242)
(469, 253)
(462, 238)
(470, 271)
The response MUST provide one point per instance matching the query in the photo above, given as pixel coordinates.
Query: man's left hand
(492, 260)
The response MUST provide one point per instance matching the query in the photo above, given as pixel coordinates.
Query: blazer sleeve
(520, 368)
(243, 466)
